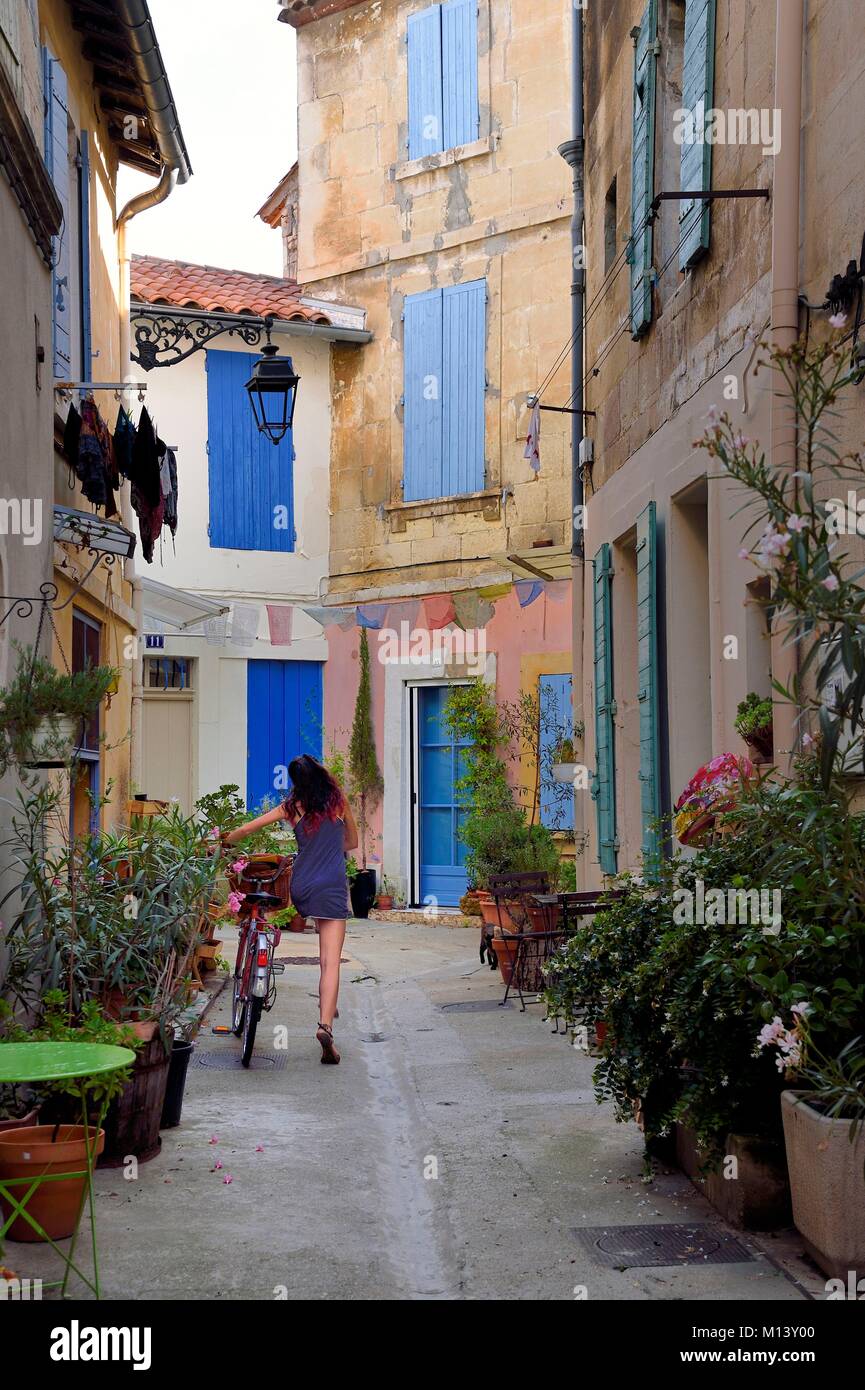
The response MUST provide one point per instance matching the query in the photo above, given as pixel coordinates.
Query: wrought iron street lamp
(272, 391)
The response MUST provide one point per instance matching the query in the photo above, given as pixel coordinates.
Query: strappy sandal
(329, 1053)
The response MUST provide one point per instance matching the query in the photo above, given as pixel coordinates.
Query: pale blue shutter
(604, 781)
(698, 81)
(459, 20)
(56, 95)
(643, 169)
(84, 243)
(248, 477)
(555, 698)
(647, 683)
(463, 394)
(425, 124)
(423, 388)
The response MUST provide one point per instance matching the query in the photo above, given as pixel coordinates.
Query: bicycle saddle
(262, 900)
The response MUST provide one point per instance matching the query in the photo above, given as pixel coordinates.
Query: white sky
(231, 66)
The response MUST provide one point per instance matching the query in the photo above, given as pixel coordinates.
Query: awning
(179, 609)
(98, 533)
(549, 562)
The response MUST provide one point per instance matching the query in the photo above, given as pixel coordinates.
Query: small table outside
(28, 1064)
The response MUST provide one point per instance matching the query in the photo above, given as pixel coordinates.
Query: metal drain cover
(640, 1247)
(230, 1061)
(474, 1006)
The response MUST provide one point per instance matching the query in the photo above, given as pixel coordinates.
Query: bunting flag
(215, 630)
(438, 611)
(494, 591)
(331, 617)
(471, 611)
(403, 613)
(558, 590)
(280, 619)
(371, 615)
(244, 624)
(532, 451)
(528, 590)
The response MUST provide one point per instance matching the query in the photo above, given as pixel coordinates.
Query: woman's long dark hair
(315, 790)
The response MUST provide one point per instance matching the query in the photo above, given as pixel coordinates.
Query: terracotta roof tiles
(187, 286)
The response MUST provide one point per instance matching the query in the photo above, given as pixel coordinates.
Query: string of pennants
(468, 609)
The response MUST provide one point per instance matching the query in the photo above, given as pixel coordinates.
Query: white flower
(838, 320)
(830, 582)
(797, 523)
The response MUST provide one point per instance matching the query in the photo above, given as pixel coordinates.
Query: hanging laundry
(532, 451)
(438, 611)
(94, 462)
(72, 437)
(280, 620)
(124, 440)
(146, 491)
(528, 590)
(472, 611)
(168, 485)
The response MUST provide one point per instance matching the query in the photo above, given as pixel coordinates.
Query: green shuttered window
(647, 684)
(56, 98)
(698, 80)
(443, 109)
(643, 169)
(604, 781)
(445, 383)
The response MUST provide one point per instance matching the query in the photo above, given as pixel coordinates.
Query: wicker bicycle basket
(266, 873)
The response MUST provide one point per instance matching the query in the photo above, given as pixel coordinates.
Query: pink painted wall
(512, 633)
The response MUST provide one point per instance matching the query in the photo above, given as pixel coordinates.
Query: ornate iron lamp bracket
(163, 339)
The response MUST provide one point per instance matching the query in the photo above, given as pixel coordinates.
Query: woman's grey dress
(319, 886)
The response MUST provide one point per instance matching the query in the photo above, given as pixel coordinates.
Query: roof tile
(207, 287)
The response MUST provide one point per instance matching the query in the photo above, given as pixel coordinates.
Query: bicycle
(254, 970)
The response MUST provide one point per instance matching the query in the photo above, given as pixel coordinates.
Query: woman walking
(321, 818)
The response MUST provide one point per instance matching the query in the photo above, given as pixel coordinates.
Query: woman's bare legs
(331, 935)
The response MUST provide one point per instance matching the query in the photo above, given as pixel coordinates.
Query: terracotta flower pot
(506, 950)
(28, 1153)
(25, 1122)
(384, 902)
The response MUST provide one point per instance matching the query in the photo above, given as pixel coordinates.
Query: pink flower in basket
(235, 900)
(239, 865)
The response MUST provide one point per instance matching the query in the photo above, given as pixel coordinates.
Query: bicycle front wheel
(241, 984)
(250, 1024)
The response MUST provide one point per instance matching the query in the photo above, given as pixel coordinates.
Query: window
(698, 81)
(167, 673)
(445, 381)
(640, 245)
(443, 109)
(611, 223)
(86, 642)
(251, 487)
(556, 724)
(56, 92)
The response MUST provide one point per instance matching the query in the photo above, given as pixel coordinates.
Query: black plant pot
(363, 892)
(177, 1067)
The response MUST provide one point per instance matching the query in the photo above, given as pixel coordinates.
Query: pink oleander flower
(807, 740)
(838, 320)
(259, 1148)
(712, 415)
(741, 441)
(744, 553)
(217, 1165)
(228, 1178)
(773, 542)
(803, 1009)
(239, 865)
(771, 1032)
(214, 1139)
(213, 833)
(830, 582)
(235, 900)
(797, 523)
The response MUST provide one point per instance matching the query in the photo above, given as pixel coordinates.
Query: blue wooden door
(441, 853)
(283, 720)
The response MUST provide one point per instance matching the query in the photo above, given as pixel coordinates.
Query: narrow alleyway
(336, 1204)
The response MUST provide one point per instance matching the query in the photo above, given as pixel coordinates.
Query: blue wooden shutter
(56, 96)
(249, 478)
(84, 244)
(423, 385)
(463, 394)
(604, 782)
(459, 20)
(283, 720)
(647, 683)
(555, 695)
(698, 81)
(425, 120)
(643, 169)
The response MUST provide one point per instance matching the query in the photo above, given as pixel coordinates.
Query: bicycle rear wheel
(241, 982)
(250, 1024)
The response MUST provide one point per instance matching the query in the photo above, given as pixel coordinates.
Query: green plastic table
(28, 1064)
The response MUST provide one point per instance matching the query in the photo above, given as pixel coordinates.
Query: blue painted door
(283, 720)
(441, 853)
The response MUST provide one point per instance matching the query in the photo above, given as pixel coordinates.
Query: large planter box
(828, 1186)
(758, 1198)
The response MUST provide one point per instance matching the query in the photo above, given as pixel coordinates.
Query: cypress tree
(367, 783)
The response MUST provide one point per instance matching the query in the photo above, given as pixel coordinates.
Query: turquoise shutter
(647, 682)
(463, 393)
(248, 477)
(423, 389)
(643, 169)
(56, 96)
(698, 81)
(425, 122)
(84, 244)
(459, 20)
(555, 699)
(604, 783)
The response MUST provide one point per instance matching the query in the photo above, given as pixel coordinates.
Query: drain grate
(229, 1061)
(640, 1247)
(474, 1006)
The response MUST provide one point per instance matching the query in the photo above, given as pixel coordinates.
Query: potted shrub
(824, 1135)
(385, 899)
(564, 765)
(287, 917)
(43, 711)
(753, 723)
(366, 783)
